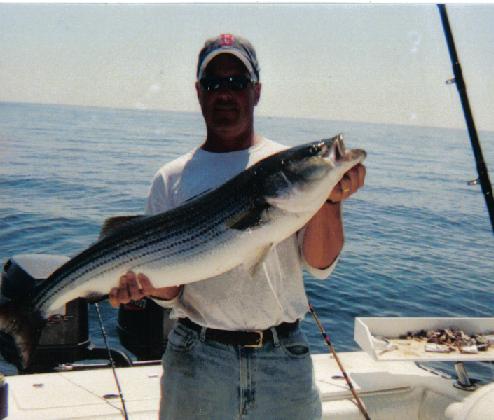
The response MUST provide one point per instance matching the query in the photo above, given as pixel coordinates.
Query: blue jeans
(204, 379)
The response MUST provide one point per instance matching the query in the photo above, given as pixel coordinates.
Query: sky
(363, 62)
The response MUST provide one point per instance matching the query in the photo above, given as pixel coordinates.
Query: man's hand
(136, 287)
(349, 184)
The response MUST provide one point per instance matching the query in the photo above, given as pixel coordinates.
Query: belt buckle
(259, 341)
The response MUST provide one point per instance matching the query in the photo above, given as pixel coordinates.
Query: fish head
(306, 174)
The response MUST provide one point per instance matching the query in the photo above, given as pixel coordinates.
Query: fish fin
(249, 218)
(24, 325)
(255, 264)
(114, 223)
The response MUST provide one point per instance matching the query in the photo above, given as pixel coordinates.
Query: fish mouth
(335, 151)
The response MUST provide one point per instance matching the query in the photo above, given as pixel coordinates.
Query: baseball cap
(229, 44)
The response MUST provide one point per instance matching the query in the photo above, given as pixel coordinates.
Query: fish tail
(24, 324)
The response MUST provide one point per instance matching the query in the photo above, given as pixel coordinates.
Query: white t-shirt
(235, 300)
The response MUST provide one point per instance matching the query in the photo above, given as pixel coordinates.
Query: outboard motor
(60, 342)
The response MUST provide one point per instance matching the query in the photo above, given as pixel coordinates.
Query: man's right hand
(136, 287)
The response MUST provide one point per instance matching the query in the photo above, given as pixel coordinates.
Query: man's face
(226, 111)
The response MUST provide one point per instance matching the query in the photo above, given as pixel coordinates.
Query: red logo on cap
(227, 40)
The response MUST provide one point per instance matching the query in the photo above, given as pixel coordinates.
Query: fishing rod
(467, 112)
(105, 338)
(359, 402)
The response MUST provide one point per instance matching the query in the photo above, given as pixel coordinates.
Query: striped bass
(237, 223)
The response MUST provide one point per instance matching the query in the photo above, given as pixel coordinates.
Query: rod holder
(463, 381)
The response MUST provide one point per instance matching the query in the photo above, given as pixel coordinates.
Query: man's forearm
(323, 237)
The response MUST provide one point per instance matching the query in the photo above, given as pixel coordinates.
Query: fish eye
(318, 148)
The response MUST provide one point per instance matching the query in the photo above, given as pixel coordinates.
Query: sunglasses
(236, 83)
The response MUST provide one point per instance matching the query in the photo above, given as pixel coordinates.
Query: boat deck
(386, 388)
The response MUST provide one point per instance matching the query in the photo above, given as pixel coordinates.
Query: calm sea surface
(418, 239)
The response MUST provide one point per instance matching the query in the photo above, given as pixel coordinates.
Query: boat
(390, 382)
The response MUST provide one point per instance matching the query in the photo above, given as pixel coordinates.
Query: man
(237, 349)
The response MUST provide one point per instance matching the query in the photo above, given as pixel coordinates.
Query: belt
(242, 338)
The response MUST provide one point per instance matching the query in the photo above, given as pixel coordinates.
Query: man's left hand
(349, 184)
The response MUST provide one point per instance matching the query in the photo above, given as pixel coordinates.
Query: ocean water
(418, 239)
